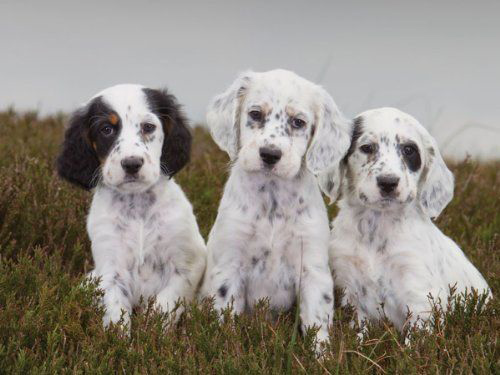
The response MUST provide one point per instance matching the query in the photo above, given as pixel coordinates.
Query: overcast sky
(438, 60)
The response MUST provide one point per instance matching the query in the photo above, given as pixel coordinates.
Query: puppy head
(393, 161)
(277, 123)
(125, 137)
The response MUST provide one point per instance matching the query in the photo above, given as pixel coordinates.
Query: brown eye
(411, 156)
(409, 150)
(107, 130)
(148, 128)
(368, 149)
(298, 123)
(255, 115)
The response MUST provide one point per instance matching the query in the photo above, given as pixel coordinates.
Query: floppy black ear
(78, 162)
(177, 143)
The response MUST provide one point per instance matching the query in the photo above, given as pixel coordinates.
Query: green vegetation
(50, 322)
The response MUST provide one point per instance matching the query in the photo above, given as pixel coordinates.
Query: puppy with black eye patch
(270, 238)
(385, 251)
(127, 142)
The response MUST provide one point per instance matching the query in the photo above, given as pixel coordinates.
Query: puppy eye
(298, 123)
(368, 149)
(148, 128)
(409, 150)
(107, 130)
(255, 115)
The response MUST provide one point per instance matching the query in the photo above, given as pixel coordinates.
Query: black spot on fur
(223, 291)
(177, 143)
(381, 249)
(124, 291)
(134, 205)
(85, 145)
(330, 185)
(327, 298)
(363, 290)
(119, 282)
(274, 206)
(357, 131)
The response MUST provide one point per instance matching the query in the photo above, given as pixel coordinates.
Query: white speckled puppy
(270, 238)
(385, 250)
(127, 142)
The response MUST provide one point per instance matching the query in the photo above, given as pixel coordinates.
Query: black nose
(387, 184)
(270, 156)
(132, 164)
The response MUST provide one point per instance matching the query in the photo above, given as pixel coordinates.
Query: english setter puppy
(127, 142)
(270, 238)
(385, 250)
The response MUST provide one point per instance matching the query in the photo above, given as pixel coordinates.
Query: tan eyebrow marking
(113, 119)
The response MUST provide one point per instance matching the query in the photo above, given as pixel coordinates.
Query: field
(51, 323)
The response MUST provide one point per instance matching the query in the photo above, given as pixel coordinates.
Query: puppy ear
(437, 182)
(78, 162)
(330, 143)
(176, 148)
(223, 115)
(330, 182)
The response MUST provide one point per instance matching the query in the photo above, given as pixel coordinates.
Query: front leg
(225, 283)
(172, 295)
(351, 299)
(316, 300)
(117, 296)
(224, 277)
(420, 306)
(184, 281)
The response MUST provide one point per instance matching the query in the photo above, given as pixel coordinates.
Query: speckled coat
(145, 245)
(385, 250)
(270, 238)
(127, 142)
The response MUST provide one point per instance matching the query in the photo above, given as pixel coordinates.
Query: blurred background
(439, 61)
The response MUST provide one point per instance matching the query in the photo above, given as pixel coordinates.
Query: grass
(51, 322)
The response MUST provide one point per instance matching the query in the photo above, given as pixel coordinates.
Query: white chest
(136, 234)
(277, 227)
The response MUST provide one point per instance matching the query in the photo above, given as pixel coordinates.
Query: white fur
(145, 245)
(129, 102)
(387, 253)
(145, 239)
(270, 238)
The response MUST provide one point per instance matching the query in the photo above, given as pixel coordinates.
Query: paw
(321, 342)
(121, 320)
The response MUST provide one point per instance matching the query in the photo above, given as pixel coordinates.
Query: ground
(50, 322)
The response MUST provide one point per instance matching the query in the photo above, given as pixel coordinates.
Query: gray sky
(438, 60)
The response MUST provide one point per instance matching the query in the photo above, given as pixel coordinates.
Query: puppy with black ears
(385, 251)
(270, 238)
(127, 142)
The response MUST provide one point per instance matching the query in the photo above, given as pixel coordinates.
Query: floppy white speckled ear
(437, 185)
(329, 145)
(224, 113)
(330, 182)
